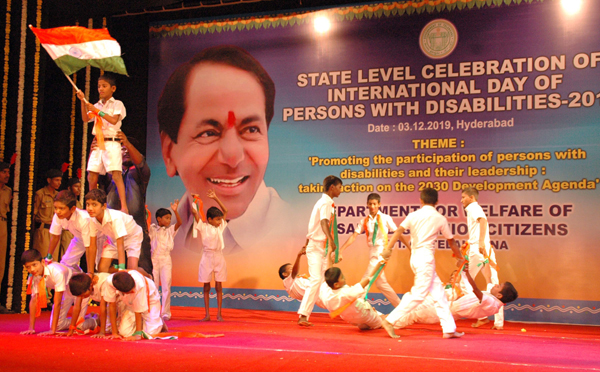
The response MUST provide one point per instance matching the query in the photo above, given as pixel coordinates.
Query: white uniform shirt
(161, 239)
(115, 224)
(468, 306)
(112, 107)
(474, 212)
(78, 225)
(137, 301)
(356, 313)
(96, 294)
(296, 287)
(321, 211)
(425, 224)
(388, 226)
(212, 236)
(56, 276)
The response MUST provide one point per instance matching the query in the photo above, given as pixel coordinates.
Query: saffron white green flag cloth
(74, 47)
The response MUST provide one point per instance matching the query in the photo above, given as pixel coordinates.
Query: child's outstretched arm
(54, 240)
(84, 110)
(211, 194)
(74, 317)
(32, 310)
(476, 289)
(296, 266)
(112, 311)
(121, 252)
(365, 281)
(101, 333)
(174, 207)
(194, 211)
(398, 235)
(348, 243)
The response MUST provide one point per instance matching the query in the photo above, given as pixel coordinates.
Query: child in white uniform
(335, 294)
(319, 243)
(124, 234)
(141, 304)
(162, 235)
(480, 248)
(212, 261)
(471, 305)
(377, 226)
(51, 276)
(425, 225)
(76, 221)
(85, 288)
(111, 113)
(295, 285)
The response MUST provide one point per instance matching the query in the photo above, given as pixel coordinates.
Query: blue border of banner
(521, 310)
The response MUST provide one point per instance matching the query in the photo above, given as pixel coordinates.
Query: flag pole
(74, 86)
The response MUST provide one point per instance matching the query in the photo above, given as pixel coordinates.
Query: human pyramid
(428, 301)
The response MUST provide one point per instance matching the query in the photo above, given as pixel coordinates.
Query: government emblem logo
(438, 39)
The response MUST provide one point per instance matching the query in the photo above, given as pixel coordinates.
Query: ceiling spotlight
(322, 24)
(571, 6)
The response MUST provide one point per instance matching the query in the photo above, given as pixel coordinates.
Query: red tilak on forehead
(231, 120)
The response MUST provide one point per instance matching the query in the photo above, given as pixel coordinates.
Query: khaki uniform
(5, 198)
(43, 211)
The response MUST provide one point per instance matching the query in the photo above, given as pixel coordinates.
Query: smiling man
(214, 115)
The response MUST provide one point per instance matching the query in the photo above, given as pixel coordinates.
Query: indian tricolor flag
(74, 47)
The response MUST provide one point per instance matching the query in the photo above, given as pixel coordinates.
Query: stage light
(322, 24)
(571, 6)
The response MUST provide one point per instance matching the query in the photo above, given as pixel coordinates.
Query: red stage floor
(267, 341)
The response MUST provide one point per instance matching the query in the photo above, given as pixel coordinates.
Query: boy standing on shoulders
(320, 243)
(212, 260)
(480, 249)
(161, 239)
(377, 226)
(110, 113)
(424, 224)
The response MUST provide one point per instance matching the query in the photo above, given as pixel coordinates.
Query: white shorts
(132, 249)
(212, 262)
(109, 160)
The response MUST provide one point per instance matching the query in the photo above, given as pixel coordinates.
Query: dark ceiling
(62, 13)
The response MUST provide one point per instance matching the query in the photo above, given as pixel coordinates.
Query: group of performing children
(126, 293)
(104, 235)
(429, 301)
(132, 300)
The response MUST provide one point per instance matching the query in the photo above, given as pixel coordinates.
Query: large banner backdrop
(393, 98)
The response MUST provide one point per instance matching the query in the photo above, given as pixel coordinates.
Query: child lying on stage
(295, 285)
(336, 294)
(472, 305)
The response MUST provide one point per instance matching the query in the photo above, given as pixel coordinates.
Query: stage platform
(271, 341)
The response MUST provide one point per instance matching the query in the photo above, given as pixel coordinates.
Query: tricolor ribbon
(42, 296)
(334, 232)
(148, 217)
(375, 230)
(200, 206)
(98, 130)
(454, 281)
